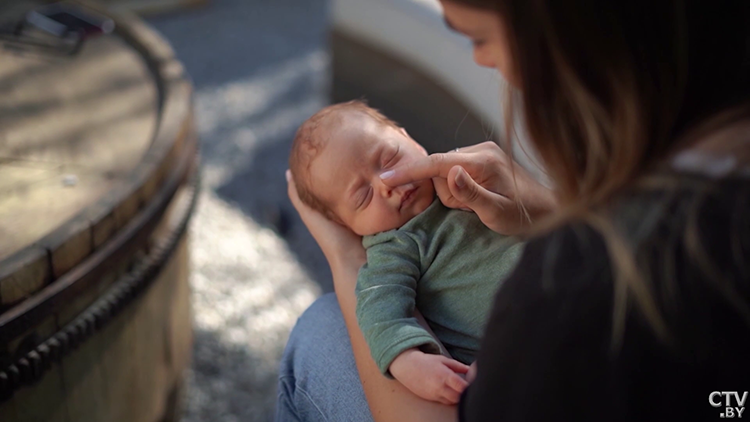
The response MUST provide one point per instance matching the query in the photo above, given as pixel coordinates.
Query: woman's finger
(301, 208)
(435, 165)
(292, 189)
(438, 165)
(444, 193)
(478, 147)
(496, 211)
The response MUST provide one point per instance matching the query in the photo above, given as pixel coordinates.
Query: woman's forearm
(388, 399)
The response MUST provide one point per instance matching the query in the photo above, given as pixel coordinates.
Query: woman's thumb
(484, 203)
(466, 190)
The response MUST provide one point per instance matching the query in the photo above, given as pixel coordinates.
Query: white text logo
(727, 400)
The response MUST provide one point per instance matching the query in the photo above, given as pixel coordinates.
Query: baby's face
(346, 175)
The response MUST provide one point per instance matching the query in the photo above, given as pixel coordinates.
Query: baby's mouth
(406, 197)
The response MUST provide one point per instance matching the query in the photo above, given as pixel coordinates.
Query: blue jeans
(318, 379)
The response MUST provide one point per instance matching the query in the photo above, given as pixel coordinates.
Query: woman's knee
(317, 371)
(320, 328)
(325, 309)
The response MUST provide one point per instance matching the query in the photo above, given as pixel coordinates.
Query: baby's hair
(310, 141)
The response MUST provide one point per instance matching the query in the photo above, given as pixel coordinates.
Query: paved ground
(260, 68)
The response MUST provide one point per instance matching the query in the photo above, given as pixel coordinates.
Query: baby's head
(336, 161)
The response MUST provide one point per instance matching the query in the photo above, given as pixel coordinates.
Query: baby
(419, 253)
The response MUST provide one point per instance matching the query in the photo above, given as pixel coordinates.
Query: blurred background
(260, 68)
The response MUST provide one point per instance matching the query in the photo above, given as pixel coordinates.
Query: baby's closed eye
(390, 159)
(364, 197)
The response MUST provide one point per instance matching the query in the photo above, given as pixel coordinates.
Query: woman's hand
(339, 244)
(484, 179)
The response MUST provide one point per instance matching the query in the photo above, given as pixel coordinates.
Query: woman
(632, 299)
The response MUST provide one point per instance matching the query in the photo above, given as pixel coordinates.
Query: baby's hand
(432, 377)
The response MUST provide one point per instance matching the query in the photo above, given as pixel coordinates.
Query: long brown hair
(611, 88)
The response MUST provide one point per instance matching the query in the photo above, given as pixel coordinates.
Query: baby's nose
(397, 192)
(384, 190)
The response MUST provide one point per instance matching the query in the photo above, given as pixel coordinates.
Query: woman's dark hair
(611, 88)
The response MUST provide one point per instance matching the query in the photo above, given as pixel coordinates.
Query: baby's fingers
(456, 383)
(450, 396)
(472, 374)
(456, 366)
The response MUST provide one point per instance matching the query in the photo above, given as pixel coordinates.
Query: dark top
(547, 354)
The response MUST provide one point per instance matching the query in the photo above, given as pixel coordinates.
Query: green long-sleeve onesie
(448, 264)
